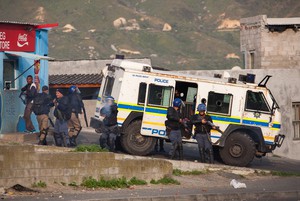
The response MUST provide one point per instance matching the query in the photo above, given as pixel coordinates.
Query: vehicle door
(159, 97)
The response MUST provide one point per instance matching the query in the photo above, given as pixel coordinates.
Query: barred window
(296, 120)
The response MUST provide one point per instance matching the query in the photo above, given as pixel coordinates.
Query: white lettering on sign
(5, 45)
(22, 40)
(2, 36)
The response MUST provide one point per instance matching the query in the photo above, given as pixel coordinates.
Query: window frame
(265, 100)
(15, 66)
(140, 103)
(229, 108)
(105, 86)
(296, 121)
(160, 106)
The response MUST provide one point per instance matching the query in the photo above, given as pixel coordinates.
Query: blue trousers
(176, 140)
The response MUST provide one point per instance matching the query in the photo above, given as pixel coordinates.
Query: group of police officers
(67, 125)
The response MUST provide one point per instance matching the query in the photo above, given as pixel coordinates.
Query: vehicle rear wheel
(135, 143)
(239, 149)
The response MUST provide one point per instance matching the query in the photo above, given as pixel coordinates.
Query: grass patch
(39, 184)
(178, 172)
(112, 183)
(165, 181)
(89, 148)
(73, 184)
(284, 174)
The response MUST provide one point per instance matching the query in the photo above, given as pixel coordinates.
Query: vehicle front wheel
(239, 149)
(135, 143)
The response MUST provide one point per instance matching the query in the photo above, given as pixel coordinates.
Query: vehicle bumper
(277, 142)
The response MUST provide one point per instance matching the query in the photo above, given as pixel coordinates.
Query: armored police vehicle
(247, 113)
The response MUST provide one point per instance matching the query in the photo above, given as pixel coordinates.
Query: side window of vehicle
(142, 93)
(159, 95)
(108, 86)
(219, 103)
(256, 101)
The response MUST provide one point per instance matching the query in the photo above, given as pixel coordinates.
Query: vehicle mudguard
(132, 116)
(254, 132)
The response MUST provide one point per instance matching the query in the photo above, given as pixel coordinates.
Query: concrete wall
(285, 86)
(83, 66)
(90, 108)
(24, 165)
(271, 49)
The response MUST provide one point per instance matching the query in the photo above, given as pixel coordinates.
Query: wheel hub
(236, 150)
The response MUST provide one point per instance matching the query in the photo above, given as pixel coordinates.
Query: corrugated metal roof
(75, 79)
(15, 22)
(283, 21)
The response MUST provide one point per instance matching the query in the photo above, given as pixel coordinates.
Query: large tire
(134, 143)
(239, 149)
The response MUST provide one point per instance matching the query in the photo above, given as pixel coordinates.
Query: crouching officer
(110, 128)
(41, 108)
(74, 124)
(173, 124)
(203, 124)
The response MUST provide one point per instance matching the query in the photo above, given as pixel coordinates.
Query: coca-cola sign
(15, 37)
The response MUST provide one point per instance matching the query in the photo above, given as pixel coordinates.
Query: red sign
(15, 37)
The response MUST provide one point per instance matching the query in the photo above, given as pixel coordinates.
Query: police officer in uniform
(41, 108)
(110, 128)
(173, 124)
(62, 112)
(74, 123)
(203, 124)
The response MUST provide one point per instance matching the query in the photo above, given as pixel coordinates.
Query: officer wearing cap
(110, 128)
(41, 108)
(203, 124)
(173, 124)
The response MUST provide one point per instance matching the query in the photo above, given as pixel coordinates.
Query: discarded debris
(21, 188)
(235, 184)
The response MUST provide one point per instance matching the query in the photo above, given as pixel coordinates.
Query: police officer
(41, 108)
(30, 91)
(62, 112)
(74, 123)
(110, 125)
(173, 123)
(203, 124)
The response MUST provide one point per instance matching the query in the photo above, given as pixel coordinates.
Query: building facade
(270, 42)
(23, 52)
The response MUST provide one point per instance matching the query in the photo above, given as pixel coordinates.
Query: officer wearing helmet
(74, 124)
(110, 129)
(173, 124)
(203, 124)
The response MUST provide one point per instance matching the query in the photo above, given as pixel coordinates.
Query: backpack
(38, 104)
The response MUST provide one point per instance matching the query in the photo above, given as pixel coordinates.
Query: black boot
(59, 141)
(180, 148)
(73, 141)
(210, 154)
(202, 155)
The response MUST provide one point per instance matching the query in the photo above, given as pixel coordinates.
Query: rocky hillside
(175, 34)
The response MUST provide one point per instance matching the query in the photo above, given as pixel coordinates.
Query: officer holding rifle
(203, 124)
